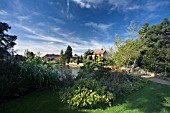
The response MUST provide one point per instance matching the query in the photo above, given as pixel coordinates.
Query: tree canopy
(68, 54)
(6, 41)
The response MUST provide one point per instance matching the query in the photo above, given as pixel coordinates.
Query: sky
(48, 26)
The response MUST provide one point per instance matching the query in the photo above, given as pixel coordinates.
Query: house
(52, 56)
(101, 52)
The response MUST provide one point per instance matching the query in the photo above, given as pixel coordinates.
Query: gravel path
(154, 79)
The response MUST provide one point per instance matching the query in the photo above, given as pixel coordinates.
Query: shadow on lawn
(149, 100)
(38, 102)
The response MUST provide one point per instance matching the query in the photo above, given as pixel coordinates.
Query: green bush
(87, 93)
(21, 78)
(9, 80)
(97, 87)
(39, 75)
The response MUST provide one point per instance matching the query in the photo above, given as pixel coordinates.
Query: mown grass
(153, 98)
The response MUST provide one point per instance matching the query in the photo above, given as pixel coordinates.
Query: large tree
(157, 40)
(68, 54)
(127, 52)
(6, 41)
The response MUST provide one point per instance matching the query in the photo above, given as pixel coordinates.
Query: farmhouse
(52, 56)
(101, 52)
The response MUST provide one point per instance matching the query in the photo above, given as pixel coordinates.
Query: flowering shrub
(87, 93)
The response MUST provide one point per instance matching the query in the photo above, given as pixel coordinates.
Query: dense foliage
(156, 57)
(68, 54)
(6, 41)
(151, 50)
(20, 78)
(96, 86)
(62, 58)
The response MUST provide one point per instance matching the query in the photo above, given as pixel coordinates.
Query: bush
(97, 87)
(39, 75)
(18, 79)
(87, 93)
(9, 80)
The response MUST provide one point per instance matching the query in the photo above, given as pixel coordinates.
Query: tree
(133, 30)
(6, 41)
(157, 40)
(68, 54)
(88, 52)
(29, 54)
(127, 52)
(62, 58)
(118, 41)
(78, 60)
(89, 57)
(81, 59)
(143, 30)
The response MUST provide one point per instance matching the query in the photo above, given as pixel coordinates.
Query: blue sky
(47, 26)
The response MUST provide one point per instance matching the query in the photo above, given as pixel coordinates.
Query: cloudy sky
(47, 26)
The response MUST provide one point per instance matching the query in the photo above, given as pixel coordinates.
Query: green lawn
(153, 98)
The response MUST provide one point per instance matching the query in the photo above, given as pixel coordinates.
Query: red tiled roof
(98, 52)
(52, 56)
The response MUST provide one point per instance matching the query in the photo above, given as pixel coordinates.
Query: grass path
(153, 98)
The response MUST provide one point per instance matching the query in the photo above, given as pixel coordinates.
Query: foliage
(10, 80)
(118, 40)
(102, 83)
(128, 53)
(20, 78)
(133, 30)
(81, 59)
(87, 93)
(100, 59)
(150, 51)
(157, 40)
(89, 57)
(39, 75)
(87, 53)
(29, 54)
(68, 54)
(6, 41)
(62, 58)
(152, 98)
(78, 60)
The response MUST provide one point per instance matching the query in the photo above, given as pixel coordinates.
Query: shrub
(87, 93)
(39, 75)
(96, 87)
(18, 79)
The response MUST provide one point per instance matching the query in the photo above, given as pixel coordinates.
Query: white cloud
(56, 20)
(22, 18)
(88, 3)
(40, 24)
(42, 47)
(123, 5)
(40, 36)
(119, 3)
(99, 26)
(152, 5)
(133, 7)
(152, 16)
(49, 44)
(3, 13)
